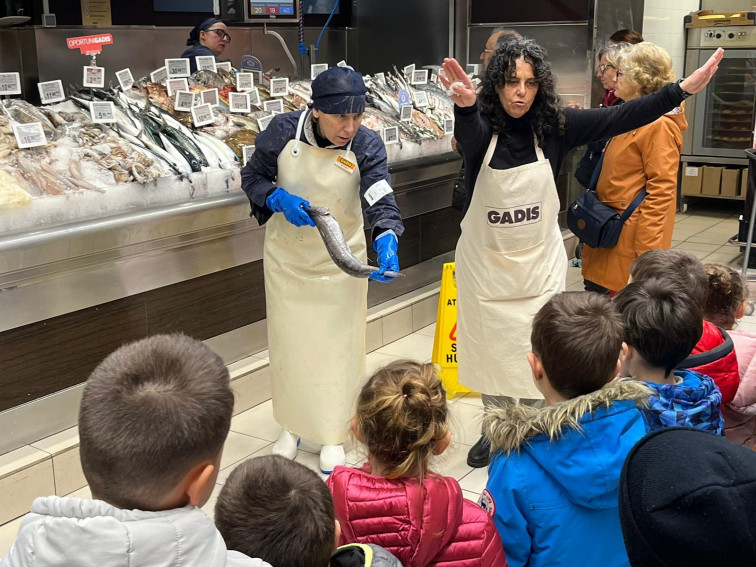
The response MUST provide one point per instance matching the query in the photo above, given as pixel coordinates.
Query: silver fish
(337, 247)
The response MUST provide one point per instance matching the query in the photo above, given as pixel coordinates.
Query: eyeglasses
(603, 67)
(220, 33)
(488, 50)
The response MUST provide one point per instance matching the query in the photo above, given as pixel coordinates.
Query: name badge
(345, 164)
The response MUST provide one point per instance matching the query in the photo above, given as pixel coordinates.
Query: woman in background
(209, 37)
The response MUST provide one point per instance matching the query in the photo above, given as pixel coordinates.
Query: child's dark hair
(402, 417)
(727, 292)
(150, 412)
(680, 267)
(661, 323)
(578, 337)
(277, 510)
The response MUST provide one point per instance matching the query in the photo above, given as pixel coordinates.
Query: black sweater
(474, 132)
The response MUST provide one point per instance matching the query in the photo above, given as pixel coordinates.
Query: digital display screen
(268, 8)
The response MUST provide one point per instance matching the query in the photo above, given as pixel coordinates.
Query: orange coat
(650, 157)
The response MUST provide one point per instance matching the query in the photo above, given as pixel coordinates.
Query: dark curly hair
(546, 114)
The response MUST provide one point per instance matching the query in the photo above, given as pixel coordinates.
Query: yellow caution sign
(445, 339)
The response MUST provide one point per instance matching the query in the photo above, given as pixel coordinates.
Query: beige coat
(647, 157)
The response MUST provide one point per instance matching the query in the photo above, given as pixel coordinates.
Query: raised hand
(699, 78)
(454, 79)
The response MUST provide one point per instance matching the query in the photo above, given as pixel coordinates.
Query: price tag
(245, 81)
(263, 122)
(421, 99)
(94, 77)
(405, 112)
(434, 78)
(381, 77)
(472, 68)
(209, 96)
(279, 86)
(29, 135)
(317, 69)
(238, 102)
(449, 126)
(420, 77)
(404, 97)
(391, 135)
(102, 112)
(254, 97)
(247, 152)
(202, 115)
(258, 77)
(125, 79)
(205, 63)
(408, 70)
(224, 65)
(175, 85)
(274, 106)
(342, 63)
(159, 75)
(184, 101)
(177, 67)
(10, 84)
(51, 91)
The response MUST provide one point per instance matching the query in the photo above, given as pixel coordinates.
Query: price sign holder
(51, 91)
(254, 97)
(405, 112)
(279, 86)
(202, 115)
(210, 96)
(102, 112)
(30, 135)
(10, 84)
(263, 122)
(245, 81)
(391, 135)
(206, 63)
(239, 102)
(274, 106)
(94, 77)
(177, 68)
(175, 85)
(125, 79)
(421, 98)
(247, 152)
(316, 69)
(449, 126)
(184, 101)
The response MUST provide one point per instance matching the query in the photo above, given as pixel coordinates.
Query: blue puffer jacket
(553, 480)
(695, 401)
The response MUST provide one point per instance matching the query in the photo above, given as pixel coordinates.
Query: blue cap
(194, 37)
(339, 90)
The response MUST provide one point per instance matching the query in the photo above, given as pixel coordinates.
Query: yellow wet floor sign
(445, 339)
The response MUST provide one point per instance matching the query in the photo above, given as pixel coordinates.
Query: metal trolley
(750, 195)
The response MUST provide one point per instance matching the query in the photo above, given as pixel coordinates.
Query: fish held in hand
(337, 247)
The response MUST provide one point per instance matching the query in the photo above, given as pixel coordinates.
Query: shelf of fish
(149, 148)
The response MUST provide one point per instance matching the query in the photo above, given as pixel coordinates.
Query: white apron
(510, 260)
(316, 313)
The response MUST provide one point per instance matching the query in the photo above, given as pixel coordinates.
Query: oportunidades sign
(90, 44)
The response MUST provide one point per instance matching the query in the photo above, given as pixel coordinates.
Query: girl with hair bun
(395, 500)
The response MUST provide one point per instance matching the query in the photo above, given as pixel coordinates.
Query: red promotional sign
(89, 44)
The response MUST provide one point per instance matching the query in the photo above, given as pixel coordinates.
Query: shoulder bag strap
(634, 205)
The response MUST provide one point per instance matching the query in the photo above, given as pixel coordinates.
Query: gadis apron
(510, 260)
(316, 313)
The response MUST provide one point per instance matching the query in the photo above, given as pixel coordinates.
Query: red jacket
(714, 355)
(435, 526)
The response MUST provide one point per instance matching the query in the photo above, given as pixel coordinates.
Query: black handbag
(593, 222)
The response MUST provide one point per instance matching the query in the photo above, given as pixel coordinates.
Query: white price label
(175, 85)
(205, 63)
(421, 99)
(316, 69)
(279, 86)
(209, 96)
(184, 101)
(159, 75)
(408, 70)
(247, 152)
(258, 77)
(226, 65)
(125, 79)
(177, 67)
(434, 78)
(420, 77)
(254, 97)
(263, 122)
(238, 102)
(202, 115)
(51, 91)
(391, 135)
(342, 63)
(405, 112)
(449, 126)
(274, 106)
(381, 77)
(94, 77)
(29, 135)
(472, 68)
(102, 112)
(245, 82)
(10, 84)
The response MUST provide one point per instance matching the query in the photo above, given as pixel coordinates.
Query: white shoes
(287, 444)
(331, 456)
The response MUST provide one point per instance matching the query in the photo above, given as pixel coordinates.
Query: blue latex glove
(292, 206)
(386, 246)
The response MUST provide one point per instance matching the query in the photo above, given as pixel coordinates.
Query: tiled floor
(704, 230)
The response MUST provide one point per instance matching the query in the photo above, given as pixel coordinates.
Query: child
(394, 500)
(662, 325)
(152, 422)
(714, 354)
(279, 510)
(554, 472)
(725, 304)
